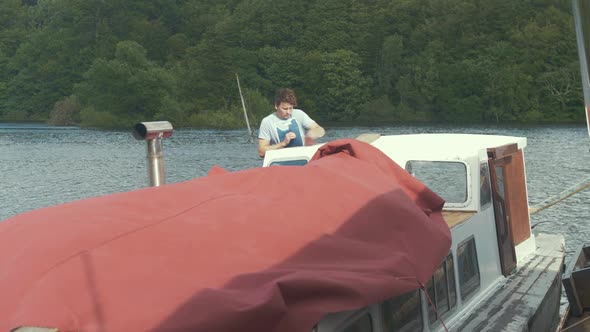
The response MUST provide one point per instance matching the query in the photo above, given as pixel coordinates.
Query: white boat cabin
(482, 179)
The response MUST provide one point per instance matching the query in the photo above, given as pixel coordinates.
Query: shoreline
(328, 124)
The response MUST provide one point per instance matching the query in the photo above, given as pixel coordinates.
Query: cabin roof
(442, 146)
(417, 146)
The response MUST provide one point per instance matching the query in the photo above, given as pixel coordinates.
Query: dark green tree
(128, 89)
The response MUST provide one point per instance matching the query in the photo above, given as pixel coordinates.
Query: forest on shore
(112, 63)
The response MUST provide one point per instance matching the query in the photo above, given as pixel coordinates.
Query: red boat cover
(265, 249)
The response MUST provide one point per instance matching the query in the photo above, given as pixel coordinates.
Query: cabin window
(295, 162)
(469, 279)
(451, 280)
(485, 190)
(441, 289)
(402, 313)
(446, 178)
(362, 324)
(500, 180)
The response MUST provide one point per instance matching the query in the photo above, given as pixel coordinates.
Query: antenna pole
(244, 107)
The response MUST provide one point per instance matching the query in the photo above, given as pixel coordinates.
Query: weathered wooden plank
(526, 300)
(454, 218)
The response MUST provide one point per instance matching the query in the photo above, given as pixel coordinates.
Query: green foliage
(257, 106)
(173, 111)
(91, 118)
(389, 67)
(128, 87)
(411, 60)
(15, 115)
(217, 120)
(338, 86)
(177, 46)
(283, 67)
(66, 112)
(378, 110)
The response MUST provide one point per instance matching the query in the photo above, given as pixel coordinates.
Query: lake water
(42, 165)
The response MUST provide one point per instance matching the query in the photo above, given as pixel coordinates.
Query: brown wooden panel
(517, 199)
(454, 218)
(500, 193)
(502, 151)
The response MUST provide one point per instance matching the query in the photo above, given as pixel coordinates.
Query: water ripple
(42, 166)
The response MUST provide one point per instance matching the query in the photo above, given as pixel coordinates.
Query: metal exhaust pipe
(153, 133)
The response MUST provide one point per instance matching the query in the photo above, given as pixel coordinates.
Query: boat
(576, 277)
(576, 282)
(424, 232)
(497, 275)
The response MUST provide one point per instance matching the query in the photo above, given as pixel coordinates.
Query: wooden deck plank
(528, 300)
(454, 218)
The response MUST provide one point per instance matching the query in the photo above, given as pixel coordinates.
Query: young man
(287, 126)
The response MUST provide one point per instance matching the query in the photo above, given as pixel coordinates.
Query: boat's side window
(469, 279)
(446, 178)
(362, 324)
(485, 191)
(402, 313)
(295, 162)
(441, 289)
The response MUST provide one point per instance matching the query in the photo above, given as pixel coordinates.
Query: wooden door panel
(499, 164)
(519, 210)
(503, 231)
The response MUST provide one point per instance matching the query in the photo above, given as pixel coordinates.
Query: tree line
(112, 63)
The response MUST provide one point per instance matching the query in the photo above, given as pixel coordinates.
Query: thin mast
(582, 25)
(244, 107)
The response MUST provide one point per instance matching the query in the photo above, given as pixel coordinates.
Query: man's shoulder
(301, 116)
(299, 111)
(269, 118)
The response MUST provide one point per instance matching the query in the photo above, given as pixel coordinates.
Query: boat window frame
(279, 161)
(357, 318)
(452, 284)
(416, 314)
(485, 194)
(448, 270)
(468, 182)
(466, 289)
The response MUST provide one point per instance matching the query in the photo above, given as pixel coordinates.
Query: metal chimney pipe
(153, 133)
(155, 161)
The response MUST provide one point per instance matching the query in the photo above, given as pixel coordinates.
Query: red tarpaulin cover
(265, 249)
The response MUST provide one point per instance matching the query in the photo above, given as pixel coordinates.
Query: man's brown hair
(285, 95)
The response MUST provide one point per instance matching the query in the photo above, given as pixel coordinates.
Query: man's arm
(315, 131)
(264, 144)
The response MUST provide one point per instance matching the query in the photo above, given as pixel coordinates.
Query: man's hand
(315, 131)
(290, 135)
(264, 144)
